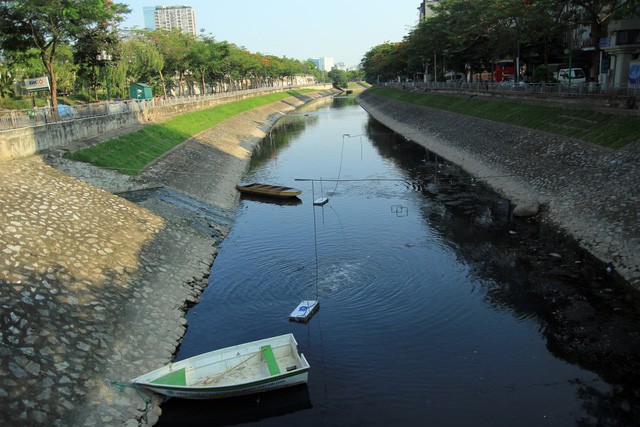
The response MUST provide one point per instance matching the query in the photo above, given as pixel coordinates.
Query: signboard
(634, 73)
(36, 83)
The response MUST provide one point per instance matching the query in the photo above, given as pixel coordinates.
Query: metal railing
(16, 119)
(560, 89)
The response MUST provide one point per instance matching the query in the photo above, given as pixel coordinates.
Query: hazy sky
(342, 29)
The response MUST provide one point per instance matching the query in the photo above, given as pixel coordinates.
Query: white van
(576, 75)
(453, 77)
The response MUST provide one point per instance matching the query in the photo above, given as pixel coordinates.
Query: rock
(526, 209)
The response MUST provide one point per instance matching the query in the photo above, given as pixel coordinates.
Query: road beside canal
(589, 192)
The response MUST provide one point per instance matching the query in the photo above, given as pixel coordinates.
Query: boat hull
(253, 367)
(268, 190)
(223, 392)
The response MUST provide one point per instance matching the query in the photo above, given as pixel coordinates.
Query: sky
(342, 29)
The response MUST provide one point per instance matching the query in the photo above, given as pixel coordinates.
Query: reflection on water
(237, 410)
(438, 307)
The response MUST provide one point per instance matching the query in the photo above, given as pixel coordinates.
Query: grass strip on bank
(130, 153)
(608, 130)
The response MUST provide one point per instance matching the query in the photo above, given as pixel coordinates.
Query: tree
(45, 24)
(66, 69)
(143, 61)
(19, 65)
(217, 66)
(205, 57)
(174, 47)
(339, 78)
(89, 42)
(383, 63)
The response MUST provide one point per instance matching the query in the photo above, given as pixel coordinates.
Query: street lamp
(105, 57)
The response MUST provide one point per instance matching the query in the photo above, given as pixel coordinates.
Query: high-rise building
(182, 18)
(149, 17)
(326, 63)
(424, 9)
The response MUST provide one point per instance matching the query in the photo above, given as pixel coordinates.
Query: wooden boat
(268, 190)
(253, 367)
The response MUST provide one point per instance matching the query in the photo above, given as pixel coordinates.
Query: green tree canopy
(474, 34)
(45, 24)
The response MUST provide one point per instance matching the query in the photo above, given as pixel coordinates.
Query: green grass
(130, 153)
(608, 130)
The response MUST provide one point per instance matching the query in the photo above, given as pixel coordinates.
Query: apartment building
(424, 10)
(182, 18)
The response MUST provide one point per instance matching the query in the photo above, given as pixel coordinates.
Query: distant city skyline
(341, 30)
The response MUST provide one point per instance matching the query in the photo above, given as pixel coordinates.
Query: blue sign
(634, 73)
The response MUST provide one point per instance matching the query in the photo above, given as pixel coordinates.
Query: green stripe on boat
(172, 378)
(271, 360)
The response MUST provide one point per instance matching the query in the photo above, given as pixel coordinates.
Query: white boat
(253, 367)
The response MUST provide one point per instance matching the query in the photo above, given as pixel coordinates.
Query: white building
(623, 48)
(325, 63)
(424, 9)
(182, 18)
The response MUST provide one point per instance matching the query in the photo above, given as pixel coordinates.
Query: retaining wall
(18, 143)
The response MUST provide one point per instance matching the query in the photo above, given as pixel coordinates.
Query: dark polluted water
(437, 307)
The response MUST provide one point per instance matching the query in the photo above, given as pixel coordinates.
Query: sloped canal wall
(590, 192)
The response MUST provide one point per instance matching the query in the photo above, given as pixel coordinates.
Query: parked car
(574, 75)
(510, 81)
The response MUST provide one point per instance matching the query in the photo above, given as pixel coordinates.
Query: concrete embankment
(113, 117)
(590, 192)
(93, 287)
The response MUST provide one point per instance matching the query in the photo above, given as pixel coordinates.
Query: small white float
(304, 311)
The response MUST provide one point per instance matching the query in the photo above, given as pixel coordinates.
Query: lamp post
(435, 66)
(105, 57)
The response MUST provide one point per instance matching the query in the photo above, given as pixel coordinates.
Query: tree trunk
(164, 85)
(596, 29)
(48, 64)
(94, 83)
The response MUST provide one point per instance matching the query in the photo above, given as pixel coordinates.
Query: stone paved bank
(93, 287)
(591, 192)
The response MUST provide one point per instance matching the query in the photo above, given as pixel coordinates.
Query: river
(437, 307)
